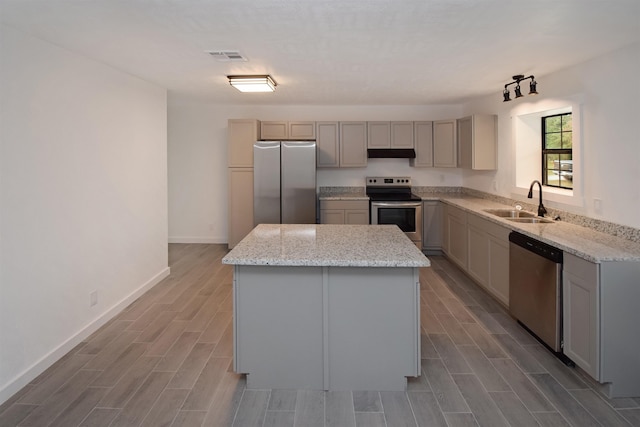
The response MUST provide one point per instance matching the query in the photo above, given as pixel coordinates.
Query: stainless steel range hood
(391, 153)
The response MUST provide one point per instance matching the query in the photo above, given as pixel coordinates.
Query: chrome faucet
(541, 208)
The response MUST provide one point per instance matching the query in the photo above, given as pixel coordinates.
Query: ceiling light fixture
(516, 80)
(253, 83)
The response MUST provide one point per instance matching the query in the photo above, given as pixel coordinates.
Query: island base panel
(373, 332)
(326, 328)
(278, 321)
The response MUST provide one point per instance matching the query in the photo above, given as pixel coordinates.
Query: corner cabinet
(600, 321)
(477, 143)
(344, 212)
(444, 144)
(242, 133)
(432, 222)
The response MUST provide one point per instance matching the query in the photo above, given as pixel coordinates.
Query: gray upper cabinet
(379, 135)
(353, 144)
(444, 144)
(283, 130)
(402, 135)
(390, 135)
(328, 143)
(477, 143)
(242, 134)
(303, 131)
(275, 131)
(423, 139)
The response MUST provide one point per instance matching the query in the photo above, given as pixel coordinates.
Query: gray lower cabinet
(432, 226)
(240, 204)
(344, 212)
(600, 321)
(488, 256)
(456, 243)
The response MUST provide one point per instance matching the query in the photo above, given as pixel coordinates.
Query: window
(557, 151)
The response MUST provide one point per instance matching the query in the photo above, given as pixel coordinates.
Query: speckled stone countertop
(581, 241)
(342, 193)
(327, 245)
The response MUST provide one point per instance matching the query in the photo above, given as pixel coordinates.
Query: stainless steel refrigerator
(284, 182)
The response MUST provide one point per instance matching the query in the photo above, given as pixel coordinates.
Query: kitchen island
(326, 307)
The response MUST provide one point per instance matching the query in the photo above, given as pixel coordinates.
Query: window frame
(559, 151)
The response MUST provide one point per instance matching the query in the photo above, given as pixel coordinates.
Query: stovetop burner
(391, 189)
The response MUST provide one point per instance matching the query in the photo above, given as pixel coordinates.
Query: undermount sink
(530, 220)
(510, 213)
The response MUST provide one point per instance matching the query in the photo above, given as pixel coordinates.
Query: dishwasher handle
(537, 247)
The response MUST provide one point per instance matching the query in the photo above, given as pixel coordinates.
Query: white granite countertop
(327, 245)
(342, 193)
(583, 242)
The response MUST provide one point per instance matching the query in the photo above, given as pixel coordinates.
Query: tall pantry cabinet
(242, 134)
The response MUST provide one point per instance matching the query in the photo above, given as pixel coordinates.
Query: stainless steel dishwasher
(535, 288)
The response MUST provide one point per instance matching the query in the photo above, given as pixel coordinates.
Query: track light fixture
(516, 80)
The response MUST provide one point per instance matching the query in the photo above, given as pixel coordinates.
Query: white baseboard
(24, 377)
(193, 239)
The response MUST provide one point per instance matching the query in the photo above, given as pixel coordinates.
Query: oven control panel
(388, 181)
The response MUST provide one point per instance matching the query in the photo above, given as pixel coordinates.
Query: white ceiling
(350, 52)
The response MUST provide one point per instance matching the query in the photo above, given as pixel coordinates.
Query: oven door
(406, 215)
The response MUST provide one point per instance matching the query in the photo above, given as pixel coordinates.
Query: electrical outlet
(210, 227)
(93, 297)
(597, 205)
(441, 177)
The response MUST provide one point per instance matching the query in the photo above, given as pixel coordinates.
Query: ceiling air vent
(228, 56)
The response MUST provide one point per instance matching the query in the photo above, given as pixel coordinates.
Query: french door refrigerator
(284, 182)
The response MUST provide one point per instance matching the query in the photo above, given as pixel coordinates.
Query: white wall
(606, 86)
(83, 193)
(606, 90)
(198, 158)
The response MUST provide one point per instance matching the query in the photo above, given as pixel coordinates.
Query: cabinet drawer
(344, 204)
(580, 267)
(457, 213)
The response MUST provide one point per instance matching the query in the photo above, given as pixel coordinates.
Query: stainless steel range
(392, 202)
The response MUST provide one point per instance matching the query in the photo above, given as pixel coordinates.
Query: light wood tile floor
(166, 360)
